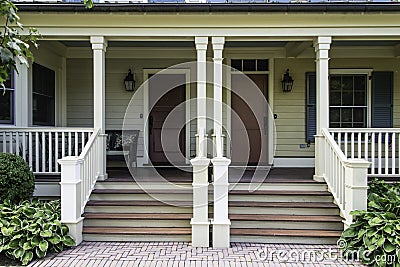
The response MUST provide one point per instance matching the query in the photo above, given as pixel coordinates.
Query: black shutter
(311, 104)
(382, 99)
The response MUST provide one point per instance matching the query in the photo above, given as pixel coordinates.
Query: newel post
(356, 187)
(71, 196)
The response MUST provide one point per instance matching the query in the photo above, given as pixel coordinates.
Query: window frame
(368, 73)
(12, 100)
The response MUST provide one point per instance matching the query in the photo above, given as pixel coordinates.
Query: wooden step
(282, 204)
(280, 192)
(281, 217)
(136, 230)
(138, 203)
(140, 191)
(136, 216)
(285, 232)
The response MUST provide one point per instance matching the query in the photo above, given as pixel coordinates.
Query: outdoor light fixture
(129, 81)
(287, 82)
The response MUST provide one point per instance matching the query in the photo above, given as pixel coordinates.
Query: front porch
(92, 101)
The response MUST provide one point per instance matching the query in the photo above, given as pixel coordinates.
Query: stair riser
(138, 209)
(279, 186)
(136, 223)
(287, 211)
(141, 186)
(285, 240)
(158, 197)
(281, 198)
(288, 225)
(142, 238)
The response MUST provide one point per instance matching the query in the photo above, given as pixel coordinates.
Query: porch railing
(346, 177)
(42, 147)
(379, 146)
(78, 178)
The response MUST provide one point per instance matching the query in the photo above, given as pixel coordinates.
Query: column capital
(322, 43)
(201, 42)
(98, 43)
(218, 43)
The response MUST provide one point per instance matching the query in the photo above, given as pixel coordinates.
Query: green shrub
(31, 229)
(375, 233)
(16, 179)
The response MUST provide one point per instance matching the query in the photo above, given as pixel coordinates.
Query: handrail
(44, 129)
(364, 130)
(334, 145)
(89, 144)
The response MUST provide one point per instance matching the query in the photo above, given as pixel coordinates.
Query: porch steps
(295, 216)
(126, 211)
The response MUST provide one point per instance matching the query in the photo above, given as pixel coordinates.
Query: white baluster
(37, 155)
(76, 143)
(69, 144)
(386, 153)
(30, 150)
(50, 152)
(380, 153)
(359, 145)
(346, 138)
(393, 153)
(63, 144)
(373, 153)
(23, 145)
(56, 151)
(352, 145)
(43, 152)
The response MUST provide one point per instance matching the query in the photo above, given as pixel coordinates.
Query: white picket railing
(381, 147)
(42, 147)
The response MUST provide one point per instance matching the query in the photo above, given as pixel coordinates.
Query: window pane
(43, 110)
(360, 82)
(335, 83)
(335, 98)
(43, 95)
(237, 64)
(249, 64)
(346, 115)
(262, 64)
(359, 114)
(7, 107)
(360, 98)
(347, 82)
(9, 83)
(347, 98)
(335, 115)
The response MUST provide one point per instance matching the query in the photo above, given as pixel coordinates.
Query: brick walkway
(182, 254)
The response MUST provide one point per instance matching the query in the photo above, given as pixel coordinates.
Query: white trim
(294, 162)
(145, 159)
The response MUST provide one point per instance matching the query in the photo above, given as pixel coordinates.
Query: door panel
(249, 136)
(167, 119)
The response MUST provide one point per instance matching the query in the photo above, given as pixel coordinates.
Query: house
(298, 87)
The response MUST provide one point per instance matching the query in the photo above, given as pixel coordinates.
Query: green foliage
(375, 233)
(14, 41)
(31, 229)
(16, 179)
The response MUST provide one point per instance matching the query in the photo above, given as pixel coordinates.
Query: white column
(71, 182)
(322, 46)
(200, 222)
(221, 223)
(22, 96)
(356, 191)
(99, 46)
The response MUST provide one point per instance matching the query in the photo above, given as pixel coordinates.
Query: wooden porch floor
(236, 174)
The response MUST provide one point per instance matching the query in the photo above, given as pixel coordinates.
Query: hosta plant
(31, 229)
(375, 233)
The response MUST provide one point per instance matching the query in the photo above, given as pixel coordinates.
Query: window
(7, 101)
(43, 95)
(250, 64)
(348, 100)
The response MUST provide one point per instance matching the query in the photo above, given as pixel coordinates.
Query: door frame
(146, 111)
(270, 91)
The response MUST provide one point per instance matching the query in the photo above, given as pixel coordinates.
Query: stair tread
(280, 192)
(282, 217)
(137, 230)
(285, 232)
(141, 191)
(137, 203)
(159, 216)
(282, 204)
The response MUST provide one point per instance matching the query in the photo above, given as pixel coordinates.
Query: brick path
(171, 254)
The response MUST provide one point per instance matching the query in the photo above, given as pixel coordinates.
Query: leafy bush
(16, 179)
(31, 229)
(375, 233)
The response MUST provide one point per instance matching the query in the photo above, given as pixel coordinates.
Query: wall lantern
(129, 81)
(287, 82)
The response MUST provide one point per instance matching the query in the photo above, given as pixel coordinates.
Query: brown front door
(167, 119)
(248, 136)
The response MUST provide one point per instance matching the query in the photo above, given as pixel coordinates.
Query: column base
(102, 177)
(75, 230)
(221, 234)
(200, 234)
(318, 178)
